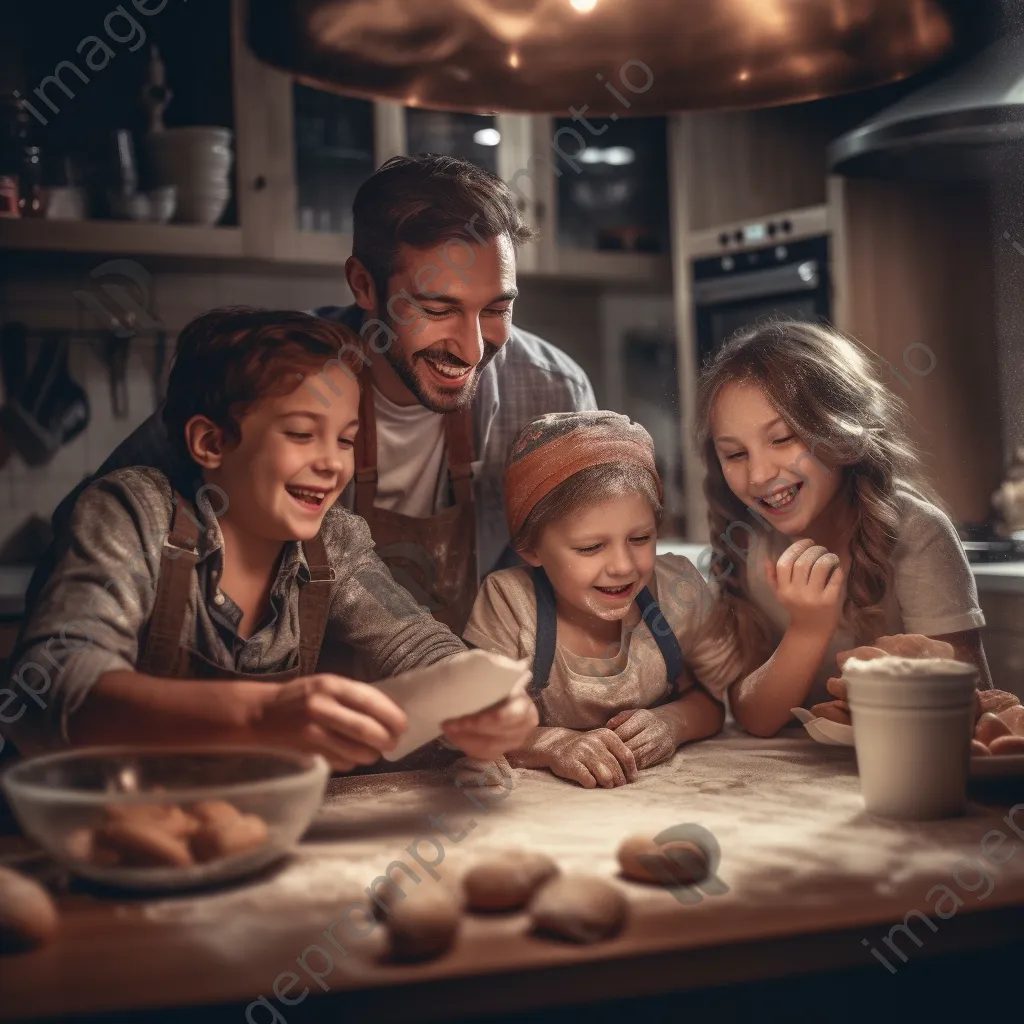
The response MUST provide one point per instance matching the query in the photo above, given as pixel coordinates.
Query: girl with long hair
(826, 534)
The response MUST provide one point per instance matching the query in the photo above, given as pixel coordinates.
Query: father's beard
(432, 396)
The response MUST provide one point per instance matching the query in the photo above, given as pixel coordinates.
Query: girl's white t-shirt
(933, 590)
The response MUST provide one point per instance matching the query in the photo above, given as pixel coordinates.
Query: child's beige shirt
(584, 692)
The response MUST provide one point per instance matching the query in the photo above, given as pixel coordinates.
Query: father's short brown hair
(422, 201)
(228, 359)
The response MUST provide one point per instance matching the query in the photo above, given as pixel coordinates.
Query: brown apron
(434, 558)
(165, 655)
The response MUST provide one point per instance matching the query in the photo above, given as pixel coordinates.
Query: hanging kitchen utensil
(13, 365)
(51, 408)
(598, 57)
(115, 355)
(159, 361)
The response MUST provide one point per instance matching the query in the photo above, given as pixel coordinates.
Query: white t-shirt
(934, 591)
(411, 465)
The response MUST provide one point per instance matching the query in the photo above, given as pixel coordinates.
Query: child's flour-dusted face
(294, 459)
(600, 558)
(766, 465)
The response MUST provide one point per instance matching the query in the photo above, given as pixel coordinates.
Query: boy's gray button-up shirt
(93, 612)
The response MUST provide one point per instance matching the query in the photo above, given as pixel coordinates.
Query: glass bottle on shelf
(334, 155)
(473, 137)
(618, 199)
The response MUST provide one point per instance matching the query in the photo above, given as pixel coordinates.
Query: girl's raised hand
(808, 582)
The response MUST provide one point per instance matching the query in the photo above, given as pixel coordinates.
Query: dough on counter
(988, 727)
(143, 844)
(425, 924)
(1003, 745)
(579, 908)
(679, 863)
(231, 835)
(834, 711)
(507, 881)
(28, 915)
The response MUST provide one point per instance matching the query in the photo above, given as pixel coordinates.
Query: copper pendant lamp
(623, 57)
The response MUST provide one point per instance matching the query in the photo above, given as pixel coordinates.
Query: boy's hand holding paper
(457, 697)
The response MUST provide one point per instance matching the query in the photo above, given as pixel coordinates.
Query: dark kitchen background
(673, 232)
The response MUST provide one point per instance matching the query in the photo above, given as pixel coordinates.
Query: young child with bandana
(624, 669)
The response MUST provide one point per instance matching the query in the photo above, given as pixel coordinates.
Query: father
(448, 383)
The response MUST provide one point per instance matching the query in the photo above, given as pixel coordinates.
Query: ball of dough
(675, 863)
(170, 818)
(978, 749)
(989, 727)
(141, 844)
(996, 701)
(1014, 718)
(28, 915)
(228, 837)
(507, 882)
(914, 645)
(213, 812)
(834, 711)
(424, 925)
(1004, 745)
(579, 908)
(837, 687)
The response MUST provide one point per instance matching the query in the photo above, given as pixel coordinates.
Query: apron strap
(366, 451)
(314, 604)
(664, 637)
(547, 628)
(178, 560)
(458, 429)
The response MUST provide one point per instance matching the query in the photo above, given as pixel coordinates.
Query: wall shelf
(119, 238)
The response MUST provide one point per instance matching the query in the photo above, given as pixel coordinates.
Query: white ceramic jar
(912, 725)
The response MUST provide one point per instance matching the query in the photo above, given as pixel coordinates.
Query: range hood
(603, 57)
(967, 124)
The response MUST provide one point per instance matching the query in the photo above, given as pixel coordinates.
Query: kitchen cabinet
(1003, 634)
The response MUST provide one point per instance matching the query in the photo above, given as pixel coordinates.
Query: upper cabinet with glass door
(602, 206)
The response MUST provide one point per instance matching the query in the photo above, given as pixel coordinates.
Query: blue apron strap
(547, 629)
(666, 640)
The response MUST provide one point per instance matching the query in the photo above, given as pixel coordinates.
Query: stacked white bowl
(198, 161)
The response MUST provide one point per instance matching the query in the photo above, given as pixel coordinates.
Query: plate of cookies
(997, 749)
(166, 819)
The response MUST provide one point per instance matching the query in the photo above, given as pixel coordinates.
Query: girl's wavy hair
(830, 392)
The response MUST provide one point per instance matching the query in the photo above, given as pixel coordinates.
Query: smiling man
(452, 381)
(433, 273)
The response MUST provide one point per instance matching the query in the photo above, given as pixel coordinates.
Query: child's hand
(350, 723)
(808, 582)
(647, 734)
(594, 758)
(489, 734)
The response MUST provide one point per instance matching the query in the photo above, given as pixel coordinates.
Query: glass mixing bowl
(60, 798)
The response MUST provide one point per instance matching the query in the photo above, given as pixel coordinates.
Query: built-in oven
(736, 289)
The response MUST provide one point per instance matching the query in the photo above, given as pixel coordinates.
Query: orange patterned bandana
(559, 445)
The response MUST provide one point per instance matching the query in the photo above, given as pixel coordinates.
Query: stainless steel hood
(967, 124)
(610, 57)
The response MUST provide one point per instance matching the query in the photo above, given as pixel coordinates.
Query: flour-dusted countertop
(811, 884)
(996, 577)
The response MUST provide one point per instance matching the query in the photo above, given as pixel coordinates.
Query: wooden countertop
(807, 876)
